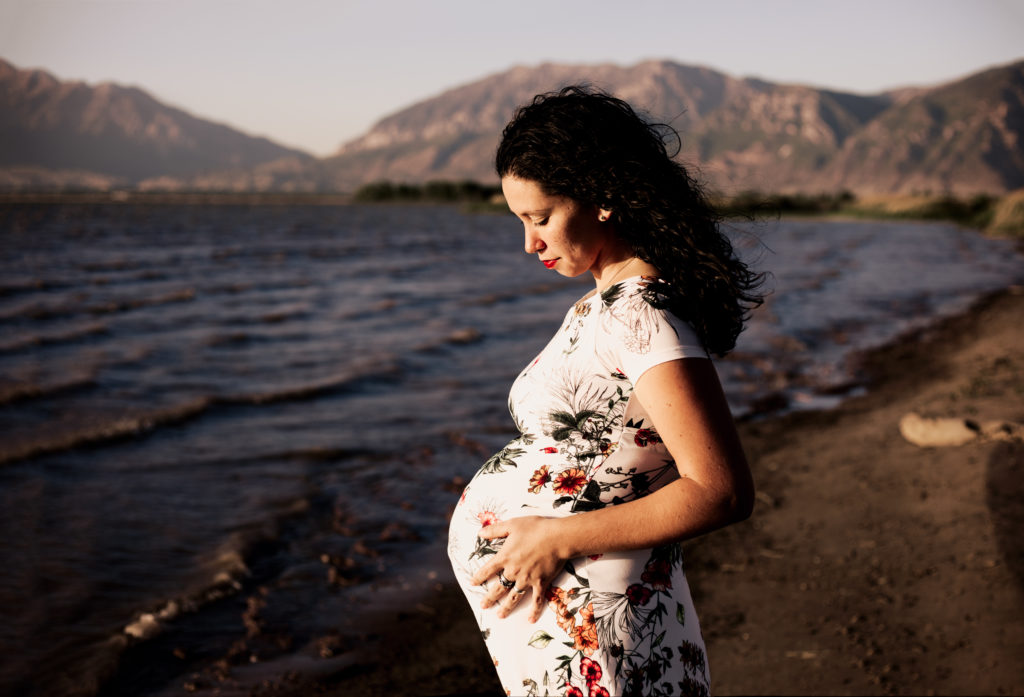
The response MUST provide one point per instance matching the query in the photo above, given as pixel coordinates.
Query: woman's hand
(528, 557)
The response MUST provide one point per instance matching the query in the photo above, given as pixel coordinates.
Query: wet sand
(870, 565)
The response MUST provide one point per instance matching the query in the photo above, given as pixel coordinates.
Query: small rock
(145, 627)
(937, 432)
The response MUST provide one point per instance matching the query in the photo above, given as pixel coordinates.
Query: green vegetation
(1008, 214)
(752, 203)
(974, 212)
(1003, 215)
(469, 192)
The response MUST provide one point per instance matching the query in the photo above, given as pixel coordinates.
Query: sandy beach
(870, 566)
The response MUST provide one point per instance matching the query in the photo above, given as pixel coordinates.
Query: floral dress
(615, 624)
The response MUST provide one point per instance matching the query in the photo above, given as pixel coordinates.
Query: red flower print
(570, 481)
(638, 594)
(550, 449)
(598, 691)
(572, 691)
(591, 672)
(645, 437)
(658, 574)
(487, 518)
(539, 479)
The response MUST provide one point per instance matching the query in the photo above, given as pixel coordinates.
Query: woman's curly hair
(592, 147)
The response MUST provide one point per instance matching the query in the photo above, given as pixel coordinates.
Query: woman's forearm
(680, 510)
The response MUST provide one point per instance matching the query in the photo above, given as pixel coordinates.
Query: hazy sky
(313, 74)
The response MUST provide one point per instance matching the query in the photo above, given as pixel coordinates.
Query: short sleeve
(634, 337)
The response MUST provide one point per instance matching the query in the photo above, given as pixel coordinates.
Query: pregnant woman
(566, 542)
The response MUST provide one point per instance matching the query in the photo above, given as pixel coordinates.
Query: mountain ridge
(962, 137)
(742, 133)
(115, 133)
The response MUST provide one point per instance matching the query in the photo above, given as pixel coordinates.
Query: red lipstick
(549, 262)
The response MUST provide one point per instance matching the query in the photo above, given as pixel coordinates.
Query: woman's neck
(616, 271)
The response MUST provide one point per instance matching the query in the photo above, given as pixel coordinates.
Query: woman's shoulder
(628, 291)
(631, 317)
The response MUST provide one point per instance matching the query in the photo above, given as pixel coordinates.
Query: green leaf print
(680, 613)
(562, 434)
(540, 639)
(610, 294)
(502, 459)
(579, 422)
(484, 547)
(590, 499)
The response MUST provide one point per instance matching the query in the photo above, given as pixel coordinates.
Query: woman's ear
(604, 215)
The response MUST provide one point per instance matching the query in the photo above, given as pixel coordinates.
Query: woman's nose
(534, 243)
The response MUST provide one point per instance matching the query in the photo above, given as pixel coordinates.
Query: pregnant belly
(501, 490)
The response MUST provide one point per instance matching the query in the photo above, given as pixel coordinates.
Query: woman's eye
(542, 221)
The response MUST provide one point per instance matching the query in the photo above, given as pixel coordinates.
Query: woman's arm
(685, 402)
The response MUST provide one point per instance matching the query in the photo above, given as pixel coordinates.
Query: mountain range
(963, 137)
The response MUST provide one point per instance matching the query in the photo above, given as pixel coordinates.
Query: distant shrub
(976, 211)
(438, 191)
(1008, 214)
(980, 211)
(755, 203)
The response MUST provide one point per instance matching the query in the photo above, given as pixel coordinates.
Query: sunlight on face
(566, 235)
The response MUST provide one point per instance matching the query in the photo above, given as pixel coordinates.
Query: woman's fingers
(532, 595)
(515, 573)
(508, 599)
(512, 599)
(498, 587)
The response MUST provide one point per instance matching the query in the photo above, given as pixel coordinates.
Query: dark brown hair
(592, 147)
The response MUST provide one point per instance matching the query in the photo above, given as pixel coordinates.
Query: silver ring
(519, 591)
(504, 581)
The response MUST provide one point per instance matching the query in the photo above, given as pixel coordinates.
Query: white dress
(615, 624)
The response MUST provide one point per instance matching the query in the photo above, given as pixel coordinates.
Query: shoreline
(870, 565)
(1000, 215)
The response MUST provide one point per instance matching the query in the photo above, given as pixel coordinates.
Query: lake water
(202, 404)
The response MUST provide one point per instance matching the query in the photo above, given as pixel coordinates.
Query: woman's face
(567, 236)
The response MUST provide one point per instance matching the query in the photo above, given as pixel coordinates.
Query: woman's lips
(549, 262)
